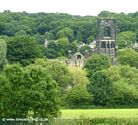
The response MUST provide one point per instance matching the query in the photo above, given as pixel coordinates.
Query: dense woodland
(66, 30)
(33, 85)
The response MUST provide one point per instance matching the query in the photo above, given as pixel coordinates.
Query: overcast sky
(74, 7)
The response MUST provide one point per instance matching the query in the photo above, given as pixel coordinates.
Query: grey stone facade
(76, 60)
(106, 37)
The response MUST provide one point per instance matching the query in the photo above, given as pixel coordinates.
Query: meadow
(88, 117)
(98, 113)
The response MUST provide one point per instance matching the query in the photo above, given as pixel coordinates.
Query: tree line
(64, 29)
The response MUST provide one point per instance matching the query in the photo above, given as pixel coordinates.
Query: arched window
(78, 56)
(107, 31)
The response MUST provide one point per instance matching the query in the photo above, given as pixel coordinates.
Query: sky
(74, 7)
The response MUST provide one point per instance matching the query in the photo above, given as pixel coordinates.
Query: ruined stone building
(106, 37)
(105, 43)
(76, 60)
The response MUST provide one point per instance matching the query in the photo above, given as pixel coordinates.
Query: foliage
(23, 49)
(68, 25)
(51, 52)
(32, 90)
(63, 46)
(116, 85)
(101, 88)
(125, 84)
(96, 63)
(128, 57)
(85, 50)
(3, 51)
(86, 30)
(39, 38)
(66, 33)
(73, 47)
(90, 39)
(57, 48)
(126, 38)
(79, 37)
(49, 36)
(78, 95)
(54, 26)
(78, 76)
(20, 33)
(59, 73)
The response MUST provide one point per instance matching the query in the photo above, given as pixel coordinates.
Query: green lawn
(99, 113)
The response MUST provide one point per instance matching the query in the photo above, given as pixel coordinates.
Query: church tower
(106, 37)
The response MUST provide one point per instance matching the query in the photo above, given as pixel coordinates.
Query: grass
(99, 113)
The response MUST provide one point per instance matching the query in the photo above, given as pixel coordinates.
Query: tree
(31, 89)
(66, 33)
(3, 51)
(63, 47)
(137, 35)
(96, 63)
(40, 38)
(79, 96)
(85, 30)
(21, 32)
(57, 48)
(42, 28)
(59, 73)
(78, 76)
(105, 14)
(49, 36)
(128, 57)
(116, 85)
(126, 38)
(23, 49)
(51, 51)
(7, 29)
(73, 47)
(76, 93)
(90, 39)
(85, 50)
(125, 84)
(79, 37)
(101, 88)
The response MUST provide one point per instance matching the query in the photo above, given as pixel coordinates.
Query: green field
(99, 113)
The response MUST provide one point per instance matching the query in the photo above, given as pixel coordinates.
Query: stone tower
(106, 37)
